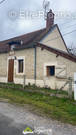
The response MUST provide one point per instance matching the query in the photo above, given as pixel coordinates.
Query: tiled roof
(21, 42)
(26, 39)
(30, 39)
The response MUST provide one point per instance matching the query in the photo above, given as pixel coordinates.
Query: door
(10, 70)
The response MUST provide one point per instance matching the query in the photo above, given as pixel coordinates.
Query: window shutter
(60, 71)
(48, 70)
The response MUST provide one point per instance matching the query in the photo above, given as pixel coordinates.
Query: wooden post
(24, 79)
(75, 86)
(70, 88)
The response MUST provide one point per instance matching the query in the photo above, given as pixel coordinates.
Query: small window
(50, 70)
(20, 66)
(12, 47)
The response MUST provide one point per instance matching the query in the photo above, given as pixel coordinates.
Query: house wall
(53, 39)
(43, 59)
(28, 56)
(3, 67)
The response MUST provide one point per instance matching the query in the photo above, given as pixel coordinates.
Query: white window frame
(17, 69)
(49, 64)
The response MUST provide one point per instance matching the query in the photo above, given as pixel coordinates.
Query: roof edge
(57, 51)
(62, 37)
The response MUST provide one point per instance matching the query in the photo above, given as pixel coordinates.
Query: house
(40, 57)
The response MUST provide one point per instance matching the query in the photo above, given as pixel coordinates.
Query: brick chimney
(50, 19)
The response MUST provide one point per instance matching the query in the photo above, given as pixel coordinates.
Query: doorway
(10, 70)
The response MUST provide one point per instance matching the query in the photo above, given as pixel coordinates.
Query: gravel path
(22, 116)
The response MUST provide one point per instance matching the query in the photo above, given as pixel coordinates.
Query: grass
(34, 88)
(61, 109)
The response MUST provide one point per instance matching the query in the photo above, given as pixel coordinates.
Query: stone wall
(44, 58)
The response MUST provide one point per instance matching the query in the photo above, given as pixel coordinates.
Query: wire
(71, 25)
(69, 32)
(68, 27)
(2, 1)
(67, 23)
(59, 36)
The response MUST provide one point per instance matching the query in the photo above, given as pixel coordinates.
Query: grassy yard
(61, 109)
(34, 88)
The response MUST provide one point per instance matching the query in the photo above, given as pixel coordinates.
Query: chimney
(50, 19)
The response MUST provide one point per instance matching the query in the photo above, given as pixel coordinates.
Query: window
(20, 66)
(50, 70)
(12, 47)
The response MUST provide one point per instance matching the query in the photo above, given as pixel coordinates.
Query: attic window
(50, 70)
(21, 42)
(12, 47)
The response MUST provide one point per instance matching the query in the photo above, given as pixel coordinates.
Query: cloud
(11, 27)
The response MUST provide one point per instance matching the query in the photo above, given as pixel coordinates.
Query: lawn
(61, 109)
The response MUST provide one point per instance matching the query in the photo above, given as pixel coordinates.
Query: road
(14, 119)
(7, 128)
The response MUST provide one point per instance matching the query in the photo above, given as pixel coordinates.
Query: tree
(72, 49)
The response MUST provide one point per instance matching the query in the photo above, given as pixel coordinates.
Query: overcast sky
(13, 21)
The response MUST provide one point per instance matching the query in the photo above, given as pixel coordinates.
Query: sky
(18, 17)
